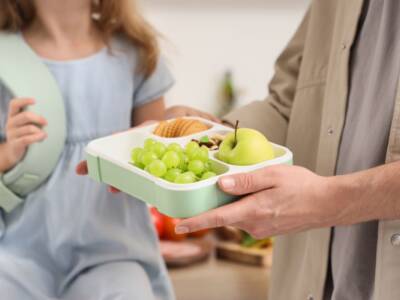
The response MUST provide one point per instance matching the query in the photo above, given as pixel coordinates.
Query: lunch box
(109, 158)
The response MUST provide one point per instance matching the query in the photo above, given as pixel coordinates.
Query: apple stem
(236, 129)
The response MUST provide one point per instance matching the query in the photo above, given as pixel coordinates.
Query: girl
(71, 239)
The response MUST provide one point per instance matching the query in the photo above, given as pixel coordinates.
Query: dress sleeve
(156, 85)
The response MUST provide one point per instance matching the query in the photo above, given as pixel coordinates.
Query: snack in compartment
(174, 163)
(179, 128)
(212, 143)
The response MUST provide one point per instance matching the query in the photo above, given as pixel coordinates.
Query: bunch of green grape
(174, 163)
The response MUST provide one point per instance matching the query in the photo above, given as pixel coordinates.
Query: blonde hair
(114, 17)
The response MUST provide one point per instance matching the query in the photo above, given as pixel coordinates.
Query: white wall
(206, 37)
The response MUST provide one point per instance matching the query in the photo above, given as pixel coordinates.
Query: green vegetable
(204, 139)
(248, 240)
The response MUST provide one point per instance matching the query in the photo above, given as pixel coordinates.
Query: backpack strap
(25, 75)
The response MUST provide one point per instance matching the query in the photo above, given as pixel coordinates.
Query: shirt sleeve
(156, 85)
(272, 115)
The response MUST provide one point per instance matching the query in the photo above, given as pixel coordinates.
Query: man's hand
(277, 200)
(185, 111)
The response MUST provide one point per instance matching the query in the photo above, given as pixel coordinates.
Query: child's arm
(154, 110)
(185, 111)
(22, 129)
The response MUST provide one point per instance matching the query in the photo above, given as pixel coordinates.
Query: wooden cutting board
(235, 252)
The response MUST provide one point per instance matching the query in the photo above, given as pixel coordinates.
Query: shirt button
(395, 240)
(344, 46)
(310, 297)
(330, 131)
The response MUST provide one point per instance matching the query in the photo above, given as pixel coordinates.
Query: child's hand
(185, 111)
(82, 169)
(22, 130)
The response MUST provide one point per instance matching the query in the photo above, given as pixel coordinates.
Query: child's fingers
(146, 123)
(209, 117)
(26, 117)
(23, 131)
(28, 140)
(185, 111)
(202, 114)
(16, 105)
(82, 168)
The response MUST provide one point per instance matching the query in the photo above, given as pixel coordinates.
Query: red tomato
(169, 230)
(158, 221)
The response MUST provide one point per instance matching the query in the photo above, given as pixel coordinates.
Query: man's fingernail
(228, 183)
(181, 230)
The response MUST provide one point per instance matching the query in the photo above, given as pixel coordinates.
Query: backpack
(25, 75)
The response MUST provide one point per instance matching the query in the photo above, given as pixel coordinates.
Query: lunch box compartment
(109, 162)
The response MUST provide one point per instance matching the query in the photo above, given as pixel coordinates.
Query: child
(70, 239)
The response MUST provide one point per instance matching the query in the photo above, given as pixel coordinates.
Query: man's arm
(287, 199)
(271, 116)
(374, 192)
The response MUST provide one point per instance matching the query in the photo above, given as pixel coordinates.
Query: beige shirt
(306, 110)
(374, 72)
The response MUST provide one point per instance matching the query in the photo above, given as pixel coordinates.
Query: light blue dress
(71, 239)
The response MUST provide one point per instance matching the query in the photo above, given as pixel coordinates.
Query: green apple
(249, 147)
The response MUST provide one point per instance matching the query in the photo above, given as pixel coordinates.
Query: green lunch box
(108, 161)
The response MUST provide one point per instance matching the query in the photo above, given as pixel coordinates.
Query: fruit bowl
(109, 158)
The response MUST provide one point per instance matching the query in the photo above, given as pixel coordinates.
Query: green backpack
(25, 75)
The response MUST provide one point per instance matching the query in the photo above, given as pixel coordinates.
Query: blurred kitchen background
(204, 39)
(221, 50)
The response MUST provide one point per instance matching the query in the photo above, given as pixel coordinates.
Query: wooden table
(220, 280)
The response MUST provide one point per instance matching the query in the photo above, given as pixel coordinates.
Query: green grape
(196, 166)
(200, 154)
(208, 166)
(147, 157)
(172, 174)
(208, 175)
(171, 159)
(185, 178)
(159, 149)
(148, 143)
(184, 160)
(139, 165)
(184, 167)
(135, 155)
(157, 168)
(191, 154)
(174, 147)
(191, 147)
